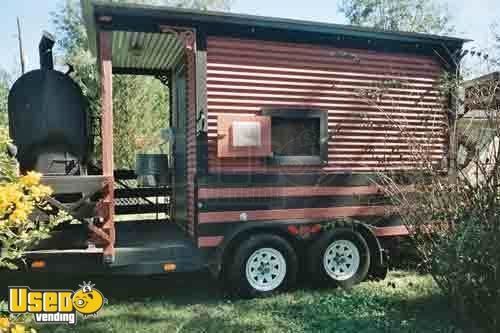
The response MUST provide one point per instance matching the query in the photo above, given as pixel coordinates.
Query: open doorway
(143, 147)
(150, 147)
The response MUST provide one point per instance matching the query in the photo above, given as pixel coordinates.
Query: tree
(195, 4)
(400, 15)
(140, 103)
(496, 37)
(4, 94)
(201, 4)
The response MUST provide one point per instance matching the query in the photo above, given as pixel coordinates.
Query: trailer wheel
(340, 257)
(263, 265)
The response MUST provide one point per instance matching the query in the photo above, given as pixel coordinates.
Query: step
(168, 251)
(128, 260)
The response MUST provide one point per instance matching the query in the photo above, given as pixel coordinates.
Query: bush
(456, 230)
(469, 268)
(453, 215)
(9, 325)
(25, 216)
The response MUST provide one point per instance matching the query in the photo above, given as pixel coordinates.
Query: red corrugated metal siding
(245, 76)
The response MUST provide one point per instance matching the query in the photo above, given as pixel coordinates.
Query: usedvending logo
(56, 306)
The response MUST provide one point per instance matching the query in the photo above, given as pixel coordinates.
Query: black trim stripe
(282, 179)
(237, 204)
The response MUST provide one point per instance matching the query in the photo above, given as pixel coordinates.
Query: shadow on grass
(196, 303)
(203, 322)
(359, 313)
(181, 288)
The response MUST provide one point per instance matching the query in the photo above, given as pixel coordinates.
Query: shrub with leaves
(11, 325)
(453, 214)
(25, 216)
(14, 323)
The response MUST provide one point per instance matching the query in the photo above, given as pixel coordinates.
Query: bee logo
(87, 300)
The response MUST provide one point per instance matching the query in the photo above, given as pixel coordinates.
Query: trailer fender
(378, 268)
(238, 234)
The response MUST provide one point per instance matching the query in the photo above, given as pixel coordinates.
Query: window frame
(302, 113)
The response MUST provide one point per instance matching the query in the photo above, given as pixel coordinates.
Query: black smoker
(48, 118)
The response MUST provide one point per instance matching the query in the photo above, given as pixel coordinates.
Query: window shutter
(243, 136)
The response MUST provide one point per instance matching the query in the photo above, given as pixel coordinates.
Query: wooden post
(106, 103)
(189, 39)
(107, 206)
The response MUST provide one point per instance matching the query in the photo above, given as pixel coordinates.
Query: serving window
(298, 137)
(283, 137)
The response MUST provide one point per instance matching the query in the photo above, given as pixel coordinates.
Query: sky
(471, 18)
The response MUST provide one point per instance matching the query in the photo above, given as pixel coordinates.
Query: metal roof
(487, 78)
(149, 51)
(132, 17)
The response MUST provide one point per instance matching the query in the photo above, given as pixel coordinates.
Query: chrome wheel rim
(341, 260)
(266, 269)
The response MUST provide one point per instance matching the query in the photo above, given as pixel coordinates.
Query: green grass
(404, 302)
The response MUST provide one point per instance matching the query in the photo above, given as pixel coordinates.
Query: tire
(251, 274)
(340, 257)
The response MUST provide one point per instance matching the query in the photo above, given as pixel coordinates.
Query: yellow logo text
(56, 306)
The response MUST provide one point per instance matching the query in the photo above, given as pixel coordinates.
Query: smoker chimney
(45, 51)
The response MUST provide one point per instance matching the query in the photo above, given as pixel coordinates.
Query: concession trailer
(275, 144)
